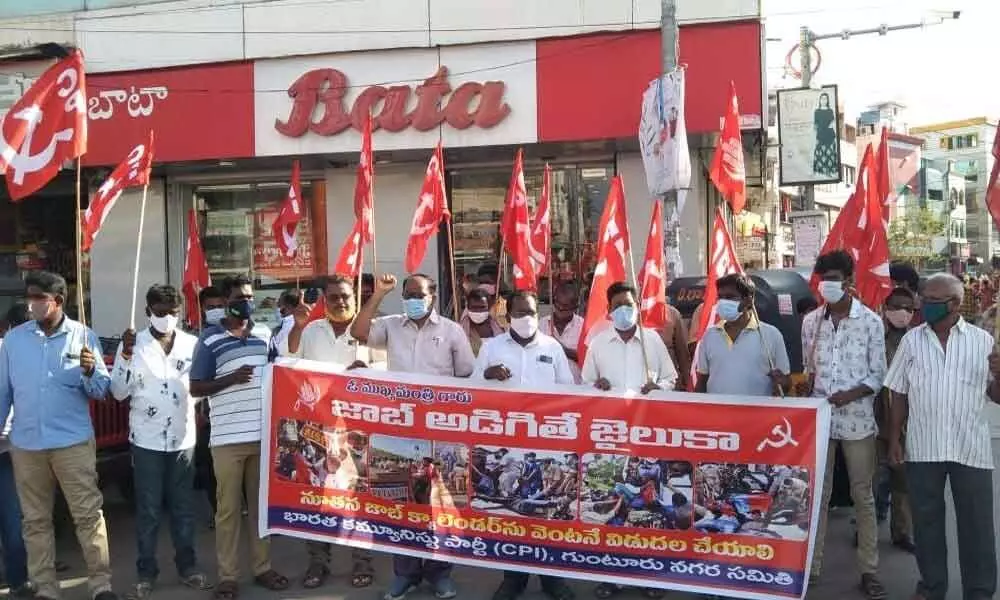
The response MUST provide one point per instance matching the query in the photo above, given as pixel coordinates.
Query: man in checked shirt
(843, 343)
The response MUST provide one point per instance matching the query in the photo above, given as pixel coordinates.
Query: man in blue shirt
(50, 369)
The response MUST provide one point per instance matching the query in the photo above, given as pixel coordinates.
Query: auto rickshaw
(778, 293)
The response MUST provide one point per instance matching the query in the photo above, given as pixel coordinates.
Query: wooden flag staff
(81, 311)
(138, 254)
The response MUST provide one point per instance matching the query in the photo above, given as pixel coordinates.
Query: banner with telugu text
(708, 494)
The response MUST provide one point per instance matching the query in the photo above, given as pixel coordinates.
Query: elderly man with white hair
(942, 378)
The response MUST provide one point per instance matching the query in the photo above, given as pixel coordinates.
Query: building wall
(166, 33)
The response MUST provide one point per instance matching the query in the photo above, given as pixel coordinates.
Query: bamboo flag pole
(454, 273)
(638, 331)
(138, 254)
(81, 310)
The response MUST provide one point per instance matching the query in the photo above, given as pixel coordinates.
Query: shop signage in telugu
(321, 92)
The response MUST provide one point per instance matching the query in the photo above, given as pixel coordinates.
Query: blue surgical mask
(214, 316)
(624, 317)
(241, 309)
(728, 310)
(415, 308)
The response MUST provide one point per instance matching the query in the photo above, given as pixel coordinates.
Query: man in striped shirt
(942, 378)
(228, 364)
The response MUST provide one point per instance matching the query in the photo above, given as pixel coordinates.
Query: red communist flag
(196, 276)
(516, 230)
(653, 275)
(432, 208)
(133, 172)
(727, 171)
(993, 191)
(541, 227)
(883, 176)
(723, 262)
(872, 258)
(46, 127)
(289, 216)
(364, 187)
(612, 253)
(349, 260)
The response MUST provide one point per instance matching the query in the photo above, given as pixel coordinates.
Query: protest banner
(709, 494)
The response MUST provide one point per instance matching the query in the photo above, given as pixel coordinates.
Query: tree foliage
(912, 236)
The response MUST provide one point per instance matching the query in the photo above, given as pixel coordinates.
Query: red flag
(432, 208)
(319, 309)
(993, 191)
(196, 276)
(364, 187)
(653, 275)
(861, 231)
(45, 128)
(723, 262)
(727, 171)
(516, 229)
(612, 253)
(131, 173)
(289, 216)
(541, 228)
(349, 260)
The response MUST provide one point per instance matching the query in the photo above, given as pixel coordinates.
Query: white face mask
(214, 316)
(525, 327)
(479, 317)
(831, 291)
(165, 324)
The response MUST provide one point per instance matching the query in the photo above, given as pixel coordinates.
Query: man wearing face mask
(525, 356)
(944, 380)
(213, 306)
(890, 481)
(151, 369)
(741, 355)
(417, 341)
(50, 368)
(288, 301)
(564, 324)
(213, 310)
(615, 357)
(843, 349)
(228, 362)
(477, 322)
(328, 340)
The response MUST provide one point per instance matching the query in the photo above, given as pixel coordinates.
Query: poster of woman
(809, 134)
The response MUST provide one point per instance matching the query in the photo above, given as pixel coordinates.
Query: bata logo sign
(318, 105)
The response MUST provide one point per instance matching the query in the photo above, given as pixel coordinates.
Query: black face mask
(240, 309)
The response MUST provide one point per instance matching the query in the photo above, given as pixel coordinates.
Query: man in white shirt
(329, 340)
(151, 371)
(943, 376)
(843, 348)
(616, 358)
(524, 356)
(288, 301)
(418, 341)
(564, 324)
(741, 355)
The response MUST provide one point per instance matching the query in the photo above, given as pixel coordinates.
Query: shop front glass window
(235, 223)
(577, 200)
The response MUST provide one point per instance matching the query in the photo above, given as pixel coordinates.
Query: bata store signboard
(196, 113)
(462, 93)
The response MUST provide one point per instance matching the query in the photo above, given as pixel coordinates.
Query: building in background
(236, 90)
(967, 144)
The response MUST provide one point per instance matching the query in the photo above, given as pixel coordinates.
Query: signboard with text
(707, 494)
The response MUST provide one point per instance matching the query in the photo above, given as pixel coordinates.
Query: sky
(941, 72)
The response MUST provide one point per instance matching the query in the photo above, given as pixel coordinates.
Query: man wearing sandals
(227, 368)
(418, 341)
(328, 340)
(151, 368)
(524, 356)
(843, 348)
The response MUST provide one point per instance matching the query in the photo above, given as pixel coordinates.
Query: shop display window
(235, 223)
(577, 200)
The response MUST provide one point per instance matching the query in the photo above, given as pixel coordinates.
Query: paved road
(897, 568)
